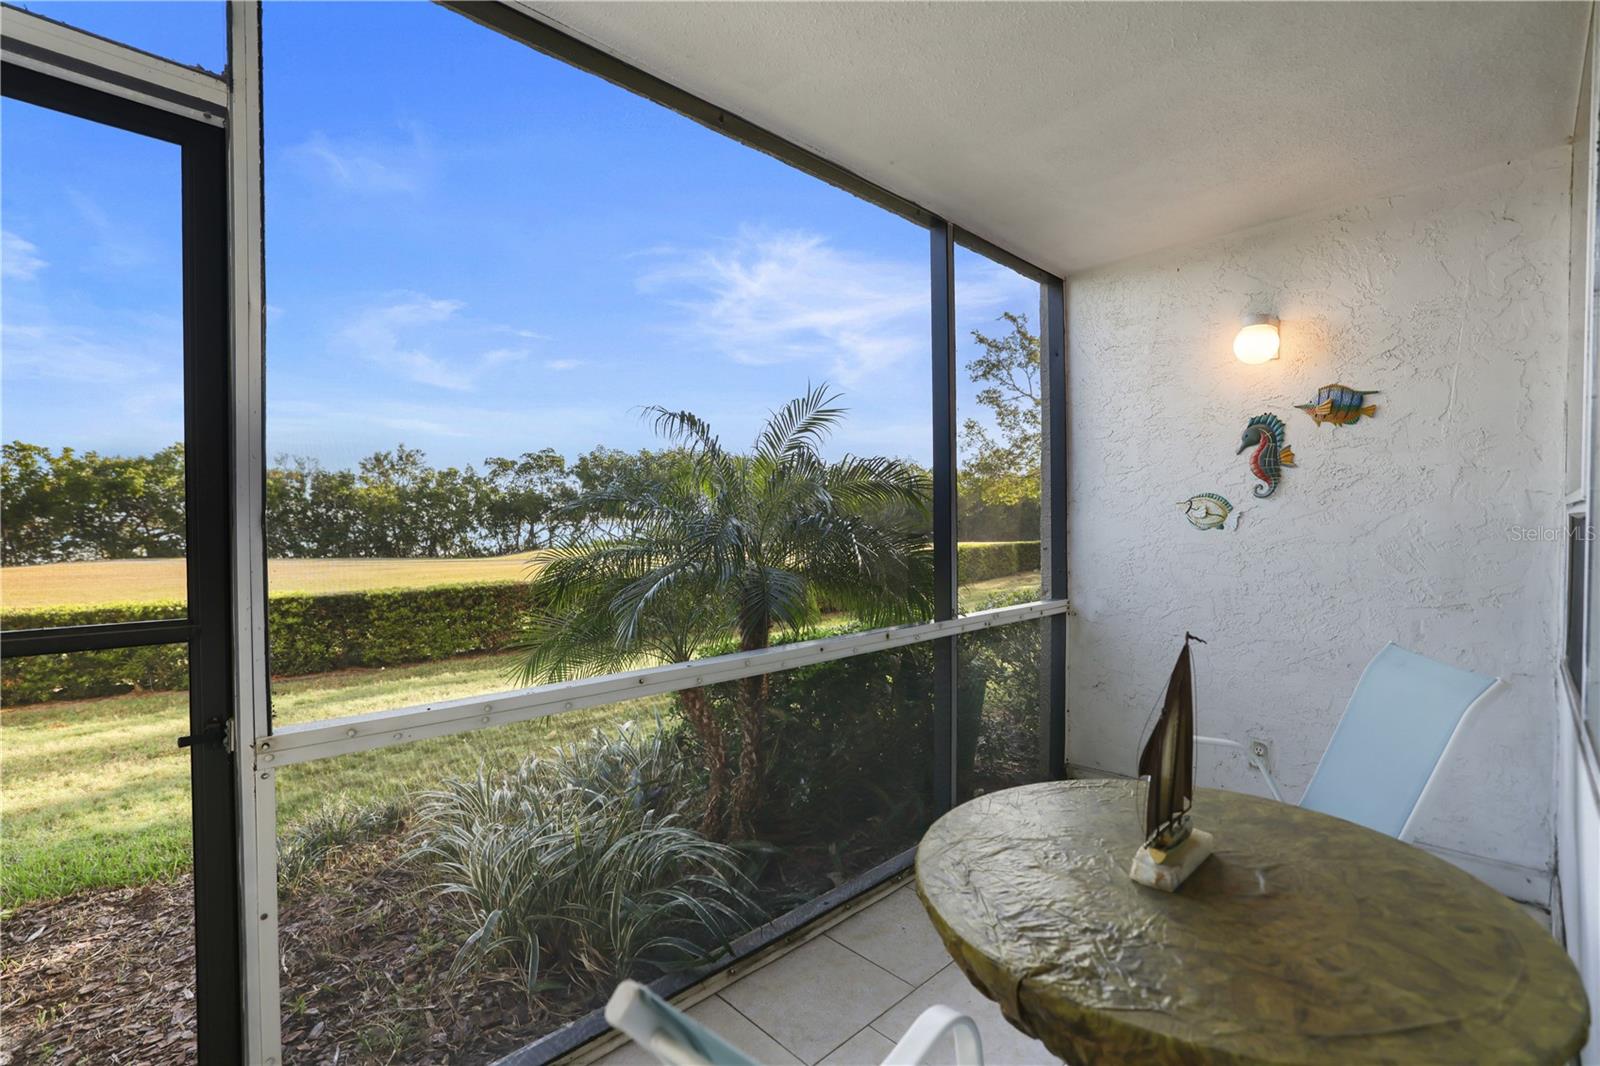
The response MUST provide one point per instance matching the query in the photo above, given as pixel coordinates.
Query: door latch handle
(217, 730)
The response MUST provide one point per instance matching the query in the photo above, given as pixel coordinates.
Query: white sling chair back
(1401, 721)
(675, 1039)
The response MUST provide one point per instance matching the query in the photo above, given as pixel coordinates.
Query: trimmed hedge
(308, 634)
(314, 632)
(37, 678)
(981, 561)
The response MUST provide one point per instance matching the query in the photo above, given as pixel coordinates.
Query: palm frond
(800, 426)
(684, 427)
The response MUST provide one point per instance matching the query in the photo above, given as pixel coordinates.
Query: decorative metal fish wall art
(1206, 510)
(1339, 404)
(1265, 435)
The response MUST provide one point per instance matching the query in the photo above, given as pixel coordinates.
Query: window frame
(1581, 574)
(72, 72)
(235, 794)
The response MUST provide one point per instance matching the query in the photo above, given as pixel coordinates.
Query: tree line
(69, 505)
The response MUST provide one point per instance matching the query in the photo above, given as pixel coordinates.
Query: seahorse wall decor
(1265, 434)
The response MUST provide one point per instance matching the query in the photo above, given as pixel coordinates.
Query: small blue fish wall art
(1206, 510)
(1264, 435)
(1339, 404)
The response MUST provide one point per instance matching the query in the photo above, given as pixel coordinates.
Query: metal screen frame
(54, 66)
(222, 115)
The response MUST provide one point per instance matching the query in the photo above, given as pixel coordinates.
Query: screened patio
(504, 498)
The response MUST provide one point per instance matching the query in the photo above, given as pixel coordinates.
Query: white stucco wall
(1451, 299)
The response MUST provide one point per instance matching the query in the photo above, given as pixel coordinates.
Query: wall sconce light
(1257, 341)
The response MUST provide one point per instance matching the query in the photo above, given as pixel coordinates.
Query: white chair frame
(1408, 829)
(630, 1011)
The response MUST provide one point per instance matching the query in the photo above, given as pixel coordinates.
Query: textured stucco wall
(1451, 299)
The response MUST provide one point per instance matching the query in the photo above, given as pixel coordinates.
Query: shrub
(581, 868)
(336, 825)
(1006, 736)
(312, 633)
(984, 560)
(851, 763)
(307, 634)
(79, 675)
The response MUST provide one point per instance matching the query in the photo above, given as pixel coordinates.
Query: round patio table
(1302, 939)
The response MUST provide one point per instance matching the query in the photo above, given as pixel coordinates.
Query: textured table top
(1302, 939)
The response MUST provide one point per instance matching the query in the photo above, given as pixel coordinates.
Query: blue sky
(471, 248)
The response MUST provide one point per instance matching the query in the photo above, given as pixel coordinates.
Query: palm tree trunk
(697, 708)
(753, 693)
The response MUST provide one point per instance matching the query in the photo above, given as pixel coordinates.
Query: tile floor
(844, 998)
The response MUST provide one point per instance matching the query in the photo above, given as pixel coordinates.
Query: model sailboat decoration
(1173, 847)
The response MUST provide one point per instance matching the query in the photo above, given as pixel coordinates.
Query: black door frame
(207, 629)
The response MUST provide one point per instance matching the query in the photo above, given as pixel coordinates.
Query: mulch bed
(107, 976)
(100, 977)
(366, 949)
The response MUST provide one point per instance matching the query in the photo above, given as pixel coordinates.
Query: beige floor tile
(1002, 1045)
(895, 933)
(867, 1048)
(717, 1015)
(816, 997)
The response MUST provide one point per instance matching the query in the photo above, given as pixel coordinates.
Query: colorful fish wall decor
(1206, 510)
(1339, 404)
(1264, 435)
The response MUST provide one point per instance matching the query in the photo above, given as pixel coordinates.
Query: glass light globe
(1257, 341)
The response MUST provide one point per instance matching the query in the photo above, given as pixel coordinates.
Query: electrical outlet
(1262, 751)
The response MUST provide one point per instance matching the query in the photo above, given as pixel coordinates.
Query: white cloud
(367, 164)
(119, 244)
(119, 352)
(562, 364)
(19, 258)
(769, 297)
(426, 340)
(342, 428)
(100, 379)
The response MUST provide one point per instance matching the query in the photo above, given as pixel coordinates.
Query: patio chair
(675, 1039)
(1406, 712)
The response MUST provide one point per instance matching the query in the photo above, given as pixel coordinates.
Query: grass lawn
(162, 580)
(24, 588)
(95, 792)
(975, 596)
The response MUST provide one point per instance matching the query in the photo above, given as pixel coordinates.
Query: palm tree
(718, 547)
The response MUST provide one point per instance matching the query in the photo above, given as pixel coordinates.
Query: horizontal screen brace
(306, 742)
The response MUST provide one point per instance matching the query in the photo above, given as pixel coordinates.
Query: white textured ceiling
(1075, 134)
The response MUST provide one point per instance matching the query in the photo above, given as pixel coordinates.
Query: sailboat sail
(1168, 759)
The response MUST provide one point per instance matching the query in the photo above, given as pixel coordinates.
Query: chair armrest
(1249, 757)
(931, 1026)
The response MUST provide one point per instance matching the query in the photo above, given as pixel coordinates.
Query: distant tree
(312, 512)
(412, 510)
(712, 545)
(602, 471)
(67, 505)
(395, 505)
(1000, 464)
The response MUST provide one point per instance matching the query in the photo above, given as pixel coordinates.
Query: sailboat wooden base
(1169, 870)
